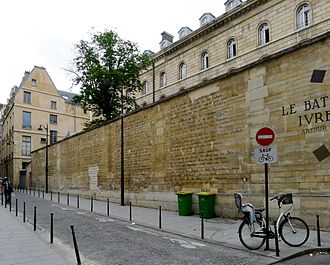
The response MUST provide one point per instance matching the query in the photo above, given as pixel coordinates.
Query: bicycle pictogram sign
(263, 155)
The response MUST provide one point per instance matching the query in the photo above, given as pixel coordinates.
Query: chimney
(167, 40)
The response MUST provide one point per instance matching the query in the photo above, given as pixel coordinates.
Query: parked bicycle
(252, 232)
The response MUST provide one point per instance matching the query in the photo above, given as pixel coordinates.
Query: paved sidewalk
(216, 230)
(19, 244)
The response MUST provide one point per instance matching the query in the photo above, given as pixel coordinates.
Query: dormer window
(167, 40)
(230, 4)
(34, 82)
(184, 31)
(206, 18)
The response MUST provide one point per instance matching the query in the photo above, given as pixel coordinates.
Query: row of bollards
(35, 223)
(160, 216)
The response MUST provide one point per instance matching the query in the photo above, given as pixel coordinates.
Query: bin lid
(184, 193)
(206, 193)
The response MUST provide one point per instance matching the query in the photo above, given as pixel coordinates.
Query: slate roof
(67, 96)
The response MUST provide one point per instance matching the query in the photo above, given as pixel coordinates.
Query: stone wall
(204, 139)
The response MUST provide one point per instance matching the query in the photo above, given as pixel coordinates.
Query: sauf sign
(265, 153)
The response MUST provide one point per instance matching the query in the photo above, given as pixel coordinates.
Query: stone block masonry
(203, 140)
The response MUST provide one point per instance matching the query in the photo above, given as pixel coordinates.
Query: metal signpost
(263, 155)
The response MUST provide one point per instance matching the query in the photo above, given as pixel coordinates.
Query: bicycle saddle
(259, 210)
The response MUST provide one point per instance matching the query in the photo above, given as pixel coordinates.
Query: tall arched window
(264, 36)
(145, 88)
(205, 60)
(162, 79)
(231, 48)
(303, 16)
(182, 71)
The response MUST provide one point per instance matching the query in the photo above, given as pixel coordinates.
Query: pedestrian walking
(7, 189)
(1, 188)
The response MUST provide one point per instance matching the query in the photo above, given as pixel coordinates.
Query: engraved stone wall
(203, 140)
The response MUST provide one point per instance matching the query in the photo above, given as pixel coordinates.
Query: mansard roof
(209, 27)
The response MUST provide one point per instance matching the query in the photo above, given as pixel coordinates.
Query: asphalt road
(105, 240)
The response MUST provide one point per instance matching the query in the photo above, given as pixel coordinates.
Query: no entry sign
(265, 136)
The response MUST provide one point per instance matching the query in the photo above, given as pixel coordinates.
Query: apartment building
(247, 33)
(36, 114)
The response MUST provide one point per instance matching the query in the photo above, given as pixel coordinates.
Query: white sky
(43, 33)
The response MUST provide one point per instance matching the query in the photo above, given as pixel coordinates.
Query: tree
(107, 69)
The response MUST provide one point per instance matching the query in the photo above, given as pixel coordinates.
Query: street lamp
(122, 168)
(41, 128)
(122, 155)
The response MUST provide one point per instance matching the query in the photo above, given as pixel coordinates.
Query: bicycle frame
(282, 215)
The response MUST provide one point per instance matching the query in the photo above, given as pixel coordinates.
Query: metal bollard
(130, 211)
(35, 219)
(277, 248)
(10, 204)
(38, 193)
(318, 230)
(58, 197)
(78, 201)
(43, 194)
(23, 212)
(68, 199)
(51, 227)
(202, 226)
(108, 207)
(75, 245)
(51, 196)
(16, 207)
(160, 217)
(91, 203)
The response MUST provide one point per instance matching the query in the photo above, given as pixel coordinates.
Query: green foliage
(107, 69)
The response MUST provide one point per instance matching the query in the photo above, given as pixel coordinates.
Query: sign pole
(266, 154)
(267, 207)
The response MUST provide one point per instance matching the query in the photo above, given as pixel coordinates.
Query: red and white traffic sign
(265, 136)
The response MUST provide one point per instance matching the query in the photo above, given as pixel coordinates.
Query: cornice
(209, 27)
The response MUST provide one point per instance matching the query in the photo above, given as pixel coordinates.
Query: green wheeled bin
(206, 204)
(185, 202)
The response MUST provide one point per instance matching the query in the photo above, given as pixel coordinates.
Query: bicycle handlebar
(283, 198)
(276, 197)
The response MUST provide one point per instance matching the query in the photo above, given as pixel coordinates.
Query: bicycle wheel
(294, 231)
(248, 238)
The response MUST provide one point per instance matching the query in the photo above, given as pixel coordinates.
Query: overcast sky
(43, 33)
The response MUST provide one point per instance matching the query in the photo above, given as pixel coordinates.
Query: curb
(302, 253)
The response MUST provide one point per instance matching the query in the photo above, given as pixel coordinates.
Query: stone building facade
(200, 135)
(36, 102)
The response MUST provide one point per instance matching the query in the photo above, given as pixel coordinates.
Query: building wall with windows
(202, 138)
(35, 102)
(246, 33)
